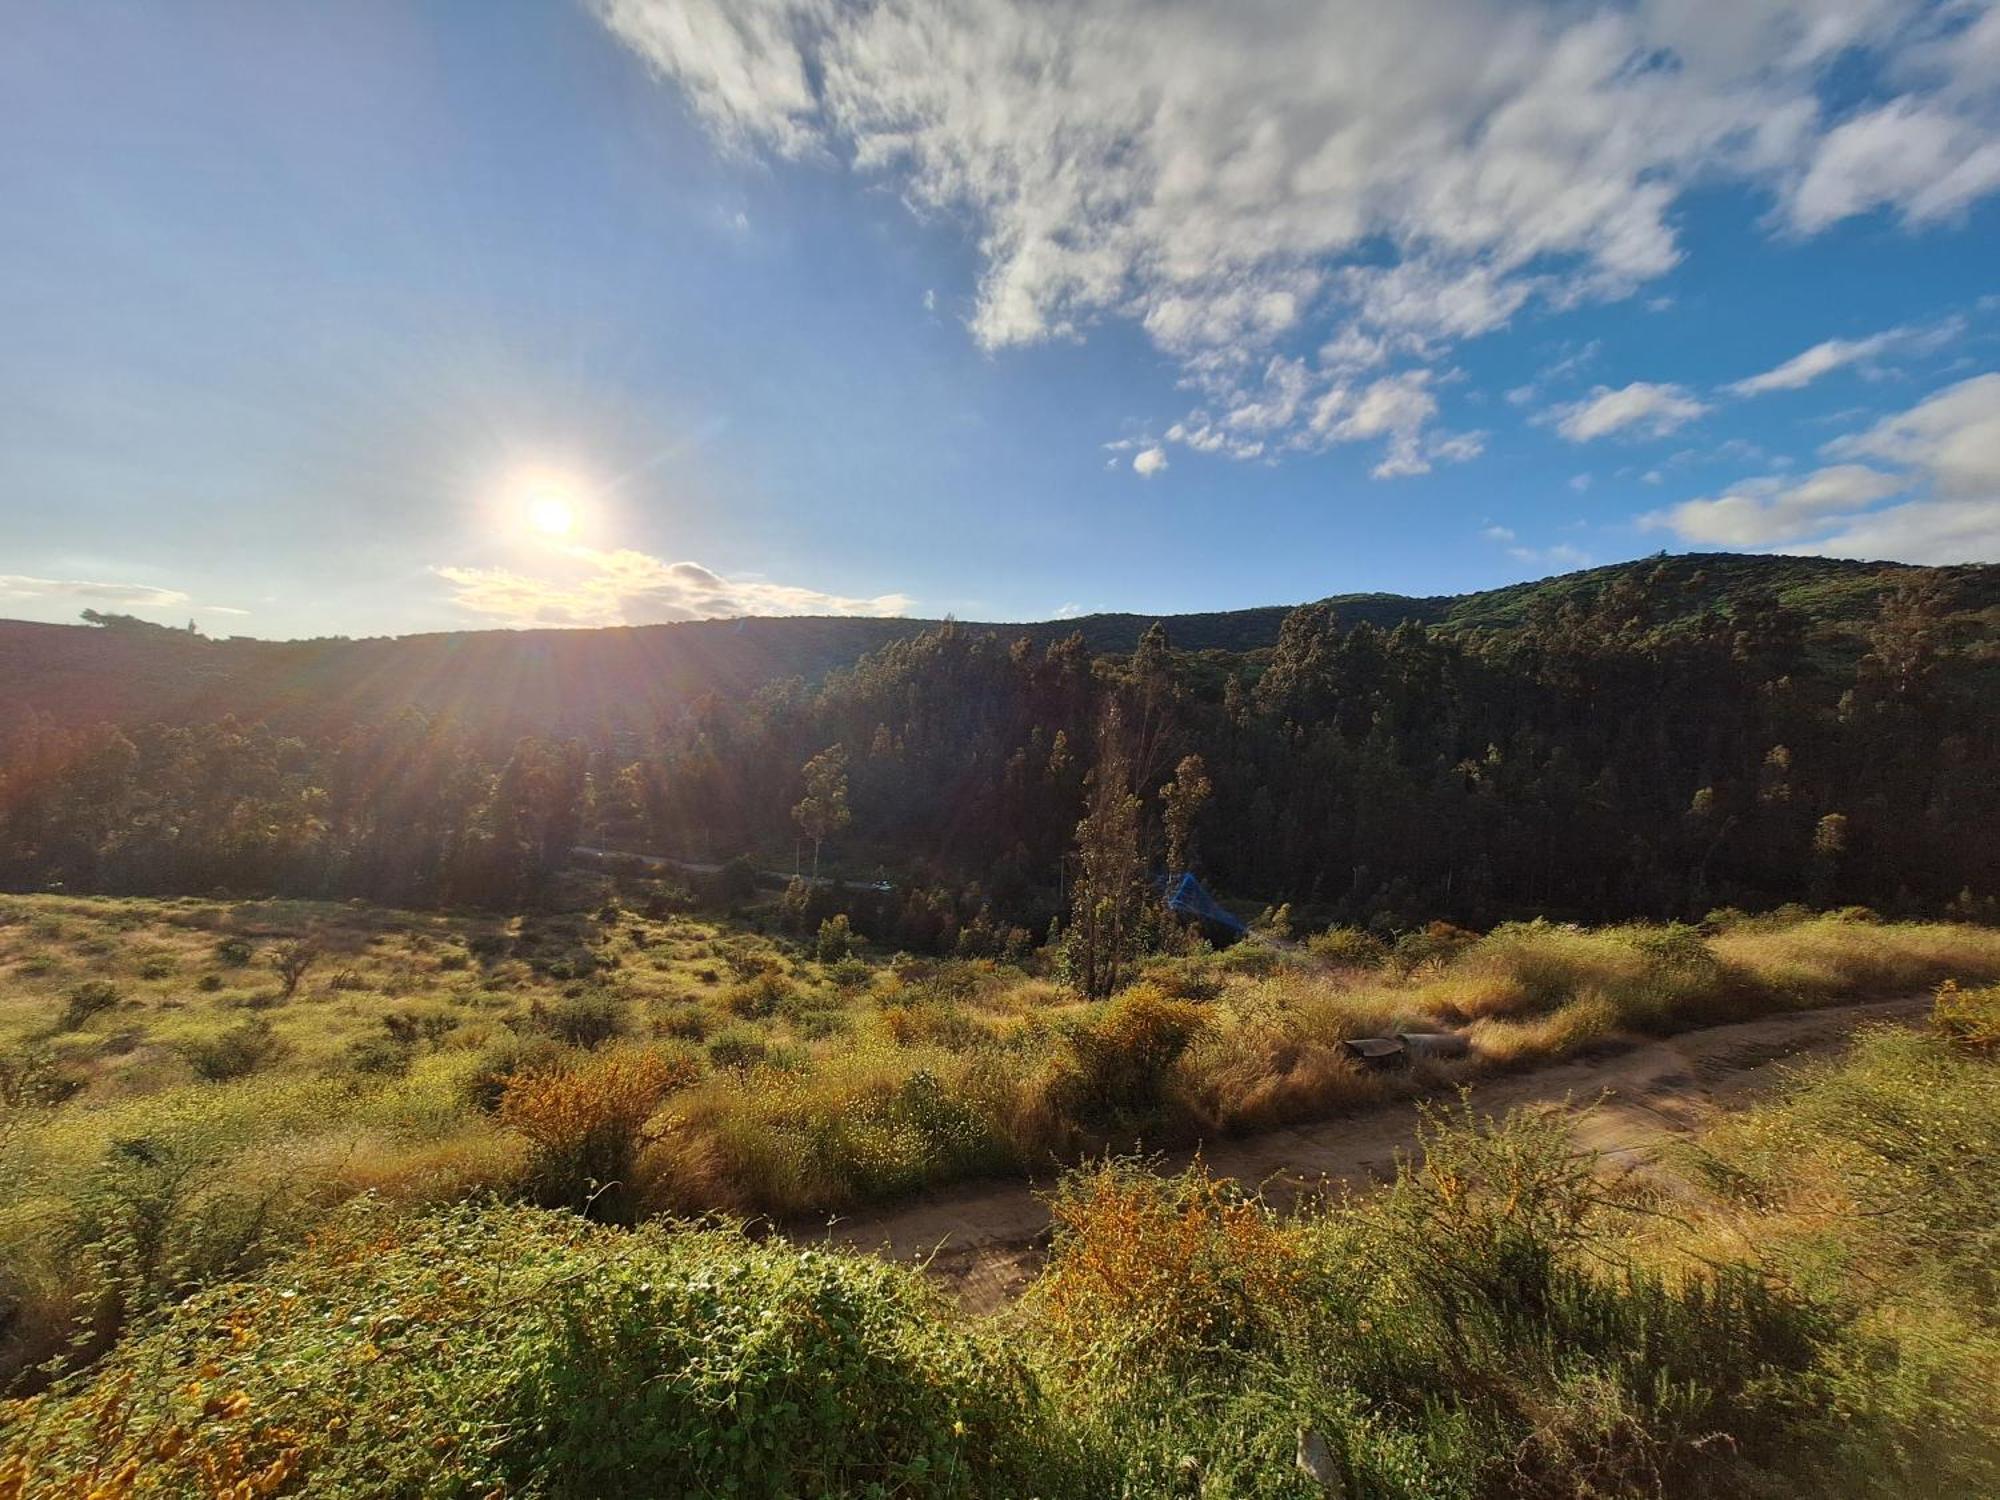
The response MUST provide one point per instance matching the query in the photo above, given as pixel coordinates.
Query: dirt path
(986, 1241)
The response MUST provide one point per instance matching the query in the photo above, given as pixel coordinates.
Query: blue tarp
(1190, 898)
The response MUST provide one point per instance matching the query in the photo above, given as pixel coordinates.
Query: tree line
(1610, 756)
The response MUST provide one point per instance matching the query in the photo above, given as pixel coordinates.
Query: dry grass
(795, 1086)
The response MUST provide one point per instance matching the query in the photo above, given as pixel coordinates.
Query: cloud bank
(625, 587)
(1307, 205)
(1943, 453)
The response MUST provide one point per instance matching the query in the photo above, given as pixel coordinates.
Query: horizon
(375, 323)
(110, 618)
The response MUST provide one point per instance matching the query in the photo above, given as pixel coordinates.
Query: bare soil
(984, 1242)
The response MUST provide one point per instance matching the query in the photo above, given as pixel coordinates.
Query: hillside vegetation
(184, 1101)
(580, 682)
(1802, 1304)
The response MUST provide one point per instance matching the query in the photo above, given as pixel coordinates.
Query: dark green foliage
(1655, 739)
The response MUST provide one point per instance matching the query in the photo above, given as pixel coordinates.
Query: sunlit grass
(136, 1030)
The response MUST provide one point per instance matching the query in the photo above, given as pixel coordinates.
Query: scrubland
(172, 1119)
(1799, 1303)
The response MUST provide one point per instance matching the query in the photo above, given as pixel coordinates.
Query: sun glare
(544, 504)
(551, 514)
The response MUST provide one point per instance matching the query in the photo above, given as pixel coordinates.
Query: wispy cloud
(1288, 197)
(128, 595)
(1642, 406)
(1834, 354)
(624, 587)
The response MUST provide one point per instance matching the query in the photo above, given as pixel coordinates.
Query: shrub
(1186, 979)
(1121, 1060)
(836, 939)
(1151, 1276)
(506, 1352)
(85, 1001)
(849, 974)
(585, 1020)
(585, 1121)
(758, 998)
(929, 1023)
(237, 1052)
(1348, 947)
(233, 952)
(293, 960)
(1970, 1017)
(738, 1047)
(1436, 943)
(34, 1077)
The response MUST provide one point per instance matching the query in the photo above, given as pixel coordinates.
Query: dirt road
(986, 1241)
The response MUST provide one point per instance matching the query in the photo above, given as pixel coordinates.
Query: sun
(544, 505)
(551, 514)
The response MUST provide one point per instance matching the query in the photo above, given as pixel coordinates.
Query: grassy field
(171, 1116)
(1800, 1303)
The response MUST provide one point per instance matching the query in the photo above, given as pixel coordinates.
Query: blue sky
(370, 319)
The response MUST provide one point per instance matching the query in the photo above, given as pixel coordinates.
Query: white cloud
(1922, 531)
(1066, 612)
(1834, 354)
(1948, 450)
(1758, 512)
(128, 595)
(1498, 533)
(1456, 447)
(624, 587)
(1579, 482)
(1653, 409)
(1240, 180)
(1953, 436)
(1149, 461)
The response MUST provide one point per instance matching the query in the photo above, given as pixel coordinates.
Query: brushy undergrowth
(170, 1117)
(514, 1352)
(1809, 1309)
(1814, 1313)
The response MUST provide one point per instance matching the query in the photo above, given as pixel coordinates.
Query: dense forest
(1652, 740)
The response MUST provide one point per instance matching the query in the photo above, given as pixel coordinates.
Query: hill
(507, 682)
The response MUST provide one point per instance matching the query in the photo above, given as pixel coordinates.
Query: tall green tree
(1108, 901)
(823, 811)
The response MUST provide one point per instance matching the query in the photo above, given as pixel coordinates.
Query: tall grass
(188, 1108)
(1811, 1311)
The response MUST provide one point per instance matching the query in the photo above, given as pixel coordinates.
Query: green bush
(836, 939)
(508, 1351)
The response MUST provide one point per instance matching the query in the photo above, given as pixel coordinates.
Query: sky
(381, 318)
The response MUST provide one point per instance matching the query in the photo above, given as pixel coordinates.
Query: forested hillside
(1654, 739)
